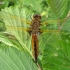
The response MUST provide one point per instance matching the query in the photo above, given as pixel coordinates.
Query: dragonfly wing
(5, 15)
(17, 28)
(16, 25)
(52, 21)
(52, 31)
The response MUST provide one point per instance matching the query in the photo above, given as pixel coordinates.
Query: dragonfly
(33, 29)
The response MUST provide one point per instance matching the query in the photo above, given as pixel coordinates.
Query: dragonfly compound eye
(37, 16)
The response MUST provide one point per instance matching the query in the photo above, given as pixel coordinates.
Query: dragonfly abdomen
(35, 46)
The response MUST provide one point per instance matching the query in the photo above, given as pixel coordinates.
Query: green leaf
(11, 43)
(58, 8)
(32, 5)
(69, 4)
(15, 19)
(2, 27)
(13, 59)
(66, 25)
(56, 54)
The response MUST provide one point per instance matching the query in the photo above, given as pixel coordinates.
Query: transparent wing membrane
(26, 21)
(19, 23)
(51, 21)
(27, 29)
(15, 22)
(17, 28)
(20, 19)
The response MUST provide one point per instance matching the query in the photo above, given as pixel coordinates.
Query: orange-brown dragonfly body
(35, 31)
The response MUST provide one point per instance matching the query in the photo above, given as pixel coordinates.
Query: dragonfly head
(36, 16)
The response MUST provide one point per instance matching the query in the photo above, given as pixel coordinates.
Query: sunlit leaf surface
(56, 54)
(58, 8)
(13, 59)
(21, 35)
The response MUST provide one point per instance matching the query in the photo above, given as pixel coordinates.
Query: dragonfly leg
(29, 31)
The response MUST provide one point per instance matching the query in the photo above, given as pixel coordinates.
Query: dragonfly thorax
(37, 16)
(35, 26)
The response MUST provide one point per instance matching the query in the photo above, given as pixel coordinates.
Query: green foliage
(66, 25)
(35, 6)
(12, 43)
(56, 54)
(13, 59)
(69, 4)
(4, 3)
(20, 35)
(17, 54)
(2, 26)
(58, 8)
